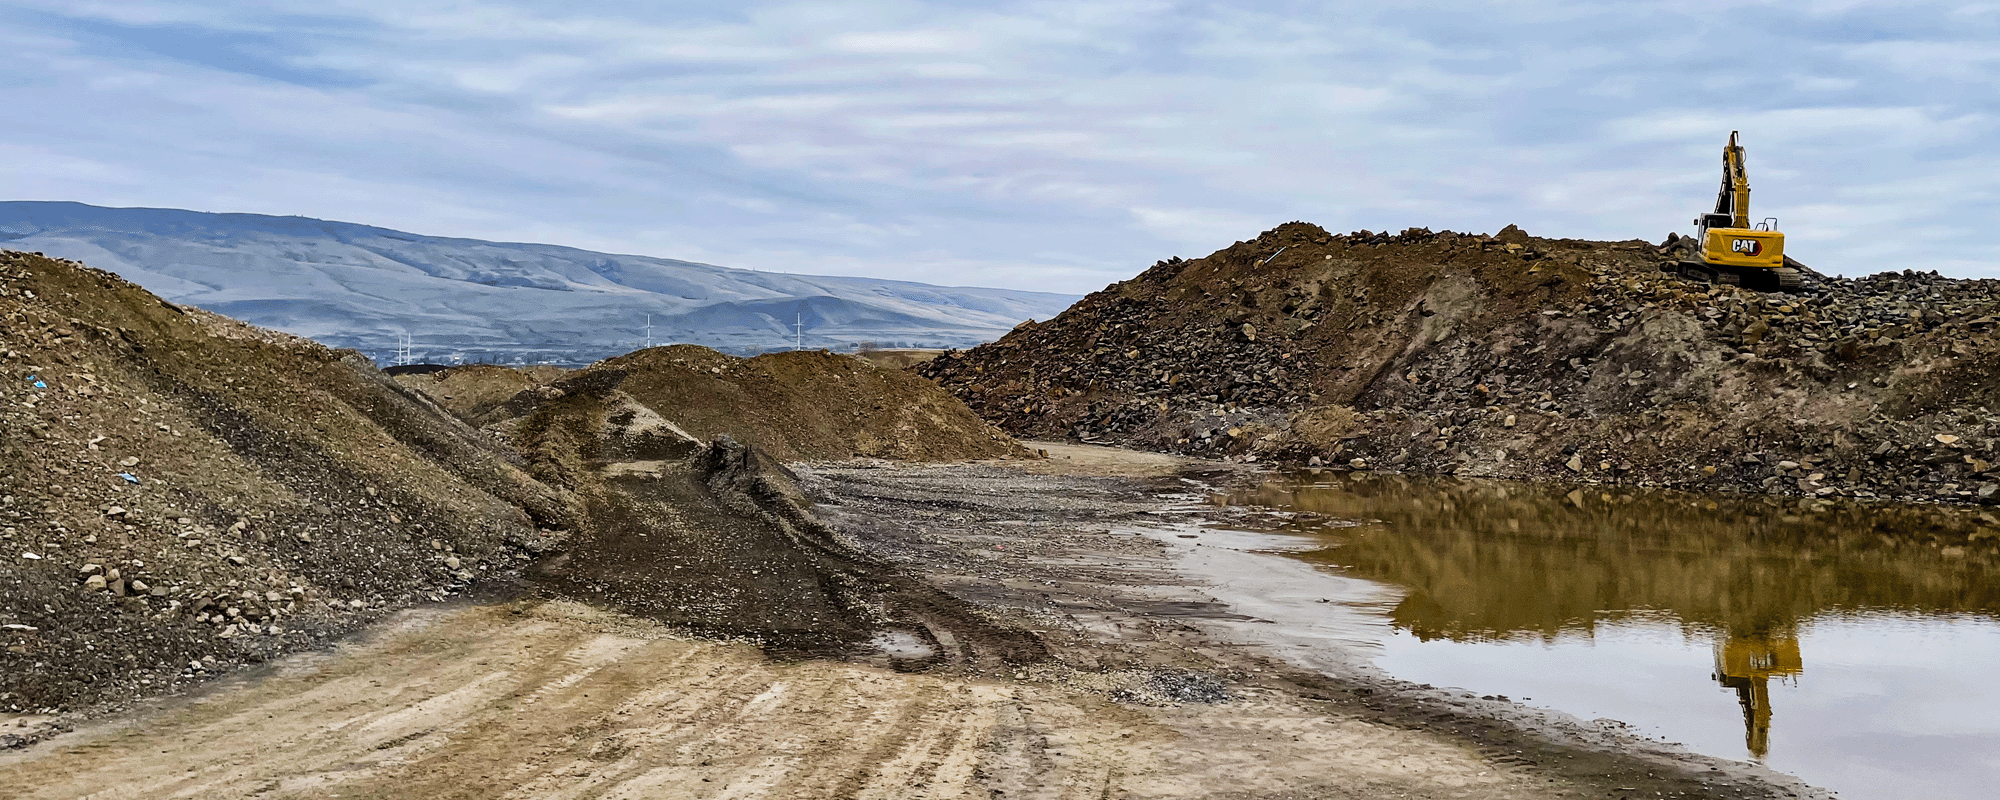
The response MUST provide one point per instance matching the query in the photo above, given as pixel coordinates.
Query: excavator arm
(1734, 198)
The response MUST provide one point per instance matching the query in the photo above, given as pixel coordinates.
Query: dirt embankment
(716, 539)
(1519, 357)
(792, 405)
(180, 492)
(471, 391)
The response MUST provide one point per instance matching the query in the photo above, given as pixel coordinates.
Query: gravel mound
(803, 405)
(180, 492)
(1519, 357)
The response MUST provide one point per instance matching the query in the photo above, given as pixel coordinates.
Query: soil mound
(1516, 356)
(471, 391)
(808, 404)
(180, 492)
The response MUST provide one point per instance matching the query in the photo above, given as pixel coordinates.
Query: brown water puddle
(1852, 645)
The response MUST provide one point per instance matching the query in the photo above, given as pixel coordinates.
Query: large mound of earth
(803, 405)
(179, 491)
(1516, 356)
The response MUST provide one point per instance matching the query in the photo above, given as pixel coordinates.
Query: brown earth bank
(1518, 357)
(808, 404)
(181, 493)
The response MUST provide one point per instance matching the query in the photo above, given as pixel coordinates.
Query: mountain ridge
(362, 286)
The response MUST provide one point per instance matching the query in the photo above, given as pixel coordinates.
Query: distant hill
(359, 286)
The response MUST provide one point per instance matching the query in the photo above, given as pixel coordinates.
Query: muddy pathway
(1077, 556)
(558, 700)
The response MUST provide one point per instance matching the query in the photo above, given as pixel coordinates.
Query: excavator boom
(1734, 199)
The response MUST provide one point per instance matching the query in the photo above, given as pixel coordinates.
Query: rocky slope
(1515, 356)
(181, 493)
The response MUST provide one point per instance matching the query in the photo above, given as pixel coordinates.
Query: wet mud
(1091, 564)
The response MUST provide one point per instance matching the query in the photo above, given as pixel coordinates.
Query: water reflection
(1747, 664)
(1494, 562)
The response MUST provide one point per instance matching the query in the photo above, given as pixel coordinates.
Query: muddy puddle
(1851, 645)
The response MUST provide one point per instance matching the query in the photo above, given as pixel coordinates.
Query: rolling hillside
(358, 286)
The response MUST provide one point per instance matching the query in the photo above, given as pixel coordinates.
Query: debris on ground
(1514, 356)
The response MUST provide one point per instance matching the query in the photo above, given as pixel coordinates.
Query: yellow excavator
(1727, 248)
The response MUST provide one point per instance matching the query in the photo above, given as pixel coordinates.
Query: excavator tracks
(1779, 279)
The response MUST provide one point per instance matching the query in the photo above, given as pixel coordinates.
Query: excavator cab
(1729, 249)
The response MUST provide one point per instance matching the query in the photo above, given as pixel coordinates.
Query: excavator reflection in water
(1747, 664)
(1486, 561)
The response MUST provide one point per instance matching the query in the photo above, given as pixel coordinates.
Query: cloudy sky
(1057, 145)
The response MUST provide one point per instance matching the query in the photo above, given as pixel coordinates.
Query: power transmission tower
(649, 331)
(799, 331)
(403, 344)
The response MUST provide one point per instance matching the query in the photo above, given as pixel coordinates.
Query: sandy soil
(1082, 459)
(559, 700)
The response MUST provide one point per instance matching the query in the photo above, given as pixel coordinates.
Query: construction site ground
(527, 695)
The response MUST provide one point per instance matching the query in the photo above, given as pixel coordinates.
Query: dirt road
(550, 698)
(558, 700)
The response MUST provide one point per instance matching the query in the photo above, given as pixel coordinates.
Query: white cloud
(1037, 144)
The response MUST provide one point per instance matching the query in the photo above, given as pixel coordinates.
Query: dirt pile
(180, 492)
(793, 405)
(471, 391)
(717, 539)
(1515, 356)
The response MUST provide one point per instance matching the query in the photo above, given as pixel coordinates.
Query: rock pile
(1516, 356)
(180, 492)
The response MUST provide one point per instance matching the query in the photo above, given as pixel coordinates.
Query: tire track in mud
(560, 700)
